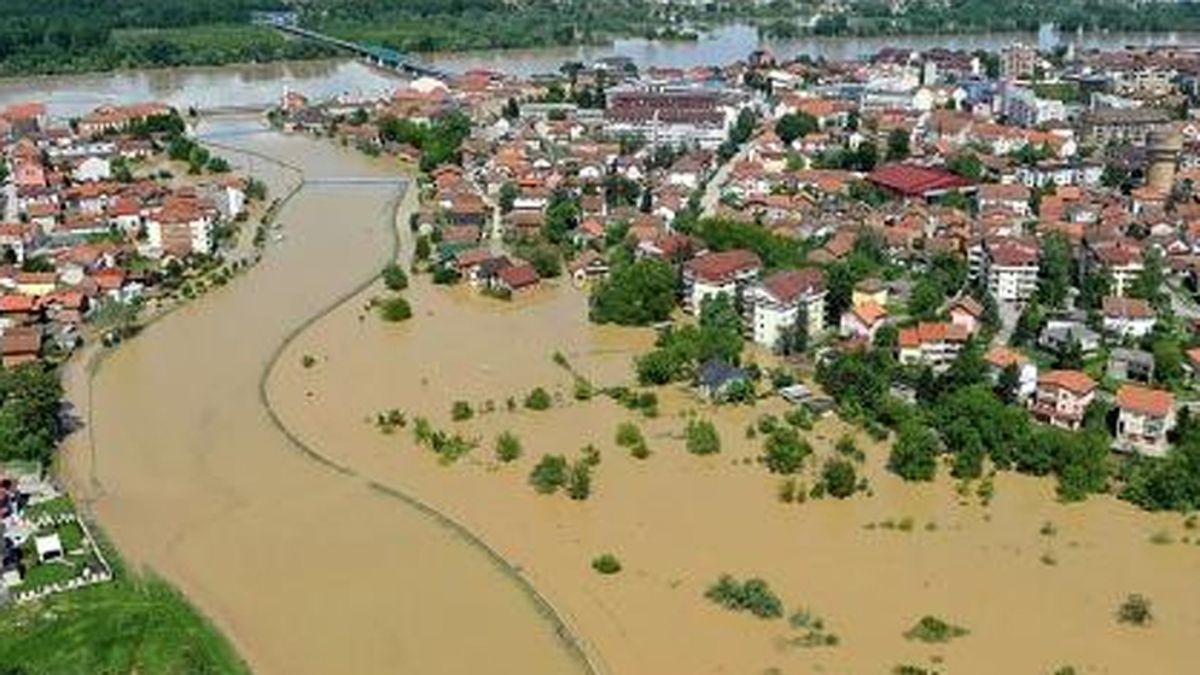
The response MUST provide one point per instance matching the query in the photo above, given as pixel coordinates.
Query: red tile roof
(1074, 381)
(789, 285)
(723, 265)
(929, 333)
(1002, 357)
(519, 276)
(912, 180)
(1153, 402)
(1127, 308)
(869, 313)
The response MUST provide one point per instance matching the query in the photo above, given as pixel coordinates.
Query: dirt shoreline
(194, 482)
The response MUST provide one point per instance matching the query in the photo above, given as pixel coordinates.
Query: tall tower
(1164, 148)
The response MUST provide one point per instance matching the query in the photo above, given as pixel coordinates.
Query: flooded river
(1034, 597)
(306, 568)
(263, 84)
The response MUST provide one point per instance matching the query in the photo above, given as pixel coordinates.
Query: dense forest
(55, 36)
(874, 17)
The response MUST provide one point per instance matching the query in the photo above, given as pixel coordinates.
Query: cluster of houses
(983, 157)
(85, 219)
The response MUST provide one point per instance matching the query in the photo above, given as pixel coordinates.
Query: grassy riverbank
(133, 624)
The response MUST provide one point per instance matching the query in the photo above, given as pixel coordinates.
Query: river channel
(308, 569)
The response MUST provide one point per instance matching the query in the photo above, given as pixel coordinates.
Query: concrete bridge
(382, 57)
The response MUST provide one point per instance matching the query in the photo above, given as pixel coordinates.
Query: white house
(1062, 397)
(181, 226)
(999, 358)
(779, 302)
(1011, 269)
(1127, 317)
(933, 344)
(729, 272)
(91, 169)
(1145, 417)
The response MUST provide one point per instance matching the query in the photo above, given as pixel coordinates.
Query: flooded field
(306, 568)
(1034, 597)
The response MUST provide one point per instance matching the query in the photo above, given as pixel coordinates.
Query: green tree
(785, 451)
(967, 165)
(549, 474)
(839, 478)
(792, 126)
(394, 277)
(508, 447)
(395, 309)
(914, 455)
(635, 294)
(897, 145)
(1029, 324)
(1054, 280)
(579, 480)
(509, 192)
(702, 437)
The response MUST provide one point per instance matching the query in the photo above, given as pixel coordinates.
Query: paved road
(712, 190)
(1181, 302)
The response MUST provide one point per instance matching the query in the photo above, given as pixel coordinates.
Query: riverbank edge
(760, 24)
(87, 363)
(569, 637)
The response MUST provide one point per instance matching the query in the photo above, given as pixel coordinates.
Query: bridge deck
(380, 55)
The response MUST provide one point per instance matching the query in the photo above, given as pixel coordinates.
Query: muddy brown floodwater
(306, 568)
(1032, 601)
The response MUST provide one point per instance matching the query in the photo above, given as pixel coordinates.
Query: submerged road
(306, 567)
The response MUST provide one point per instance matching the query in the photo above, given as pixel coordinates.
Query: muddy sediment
(869, 566)
(306, 569)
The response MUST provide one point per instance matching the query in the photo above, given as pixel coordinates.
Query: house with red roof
(517, 278)
(730, 272)
(1127, 317)
(1122, 258)
(935, 344)
(182, 225)
(20, 345)
(968, 313)
(862, 321)
(1011, 268)
(1145, 416)
(1001, 358)
(913, 181)
(1062, 397)
(787, 301)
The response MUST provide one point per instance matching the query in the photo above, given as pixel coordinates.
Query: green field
(129, 626)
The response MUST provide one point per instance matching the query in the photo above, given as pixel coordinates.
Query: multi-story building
(1121, 258)
(784, 299)
(183, 225)
(1122, 125)
(1145, 417)
(1011, 268)
(1018, 61)
(730, 272)
(1062, 397)
(933, 344)
(1023, 108)
(670, 115)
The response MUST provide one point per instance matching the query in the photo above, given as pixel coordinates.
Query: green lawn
(56, 507)
(128, 626)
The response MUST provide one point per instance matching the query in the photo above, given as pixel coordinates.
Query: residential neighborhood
(1041, 210)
